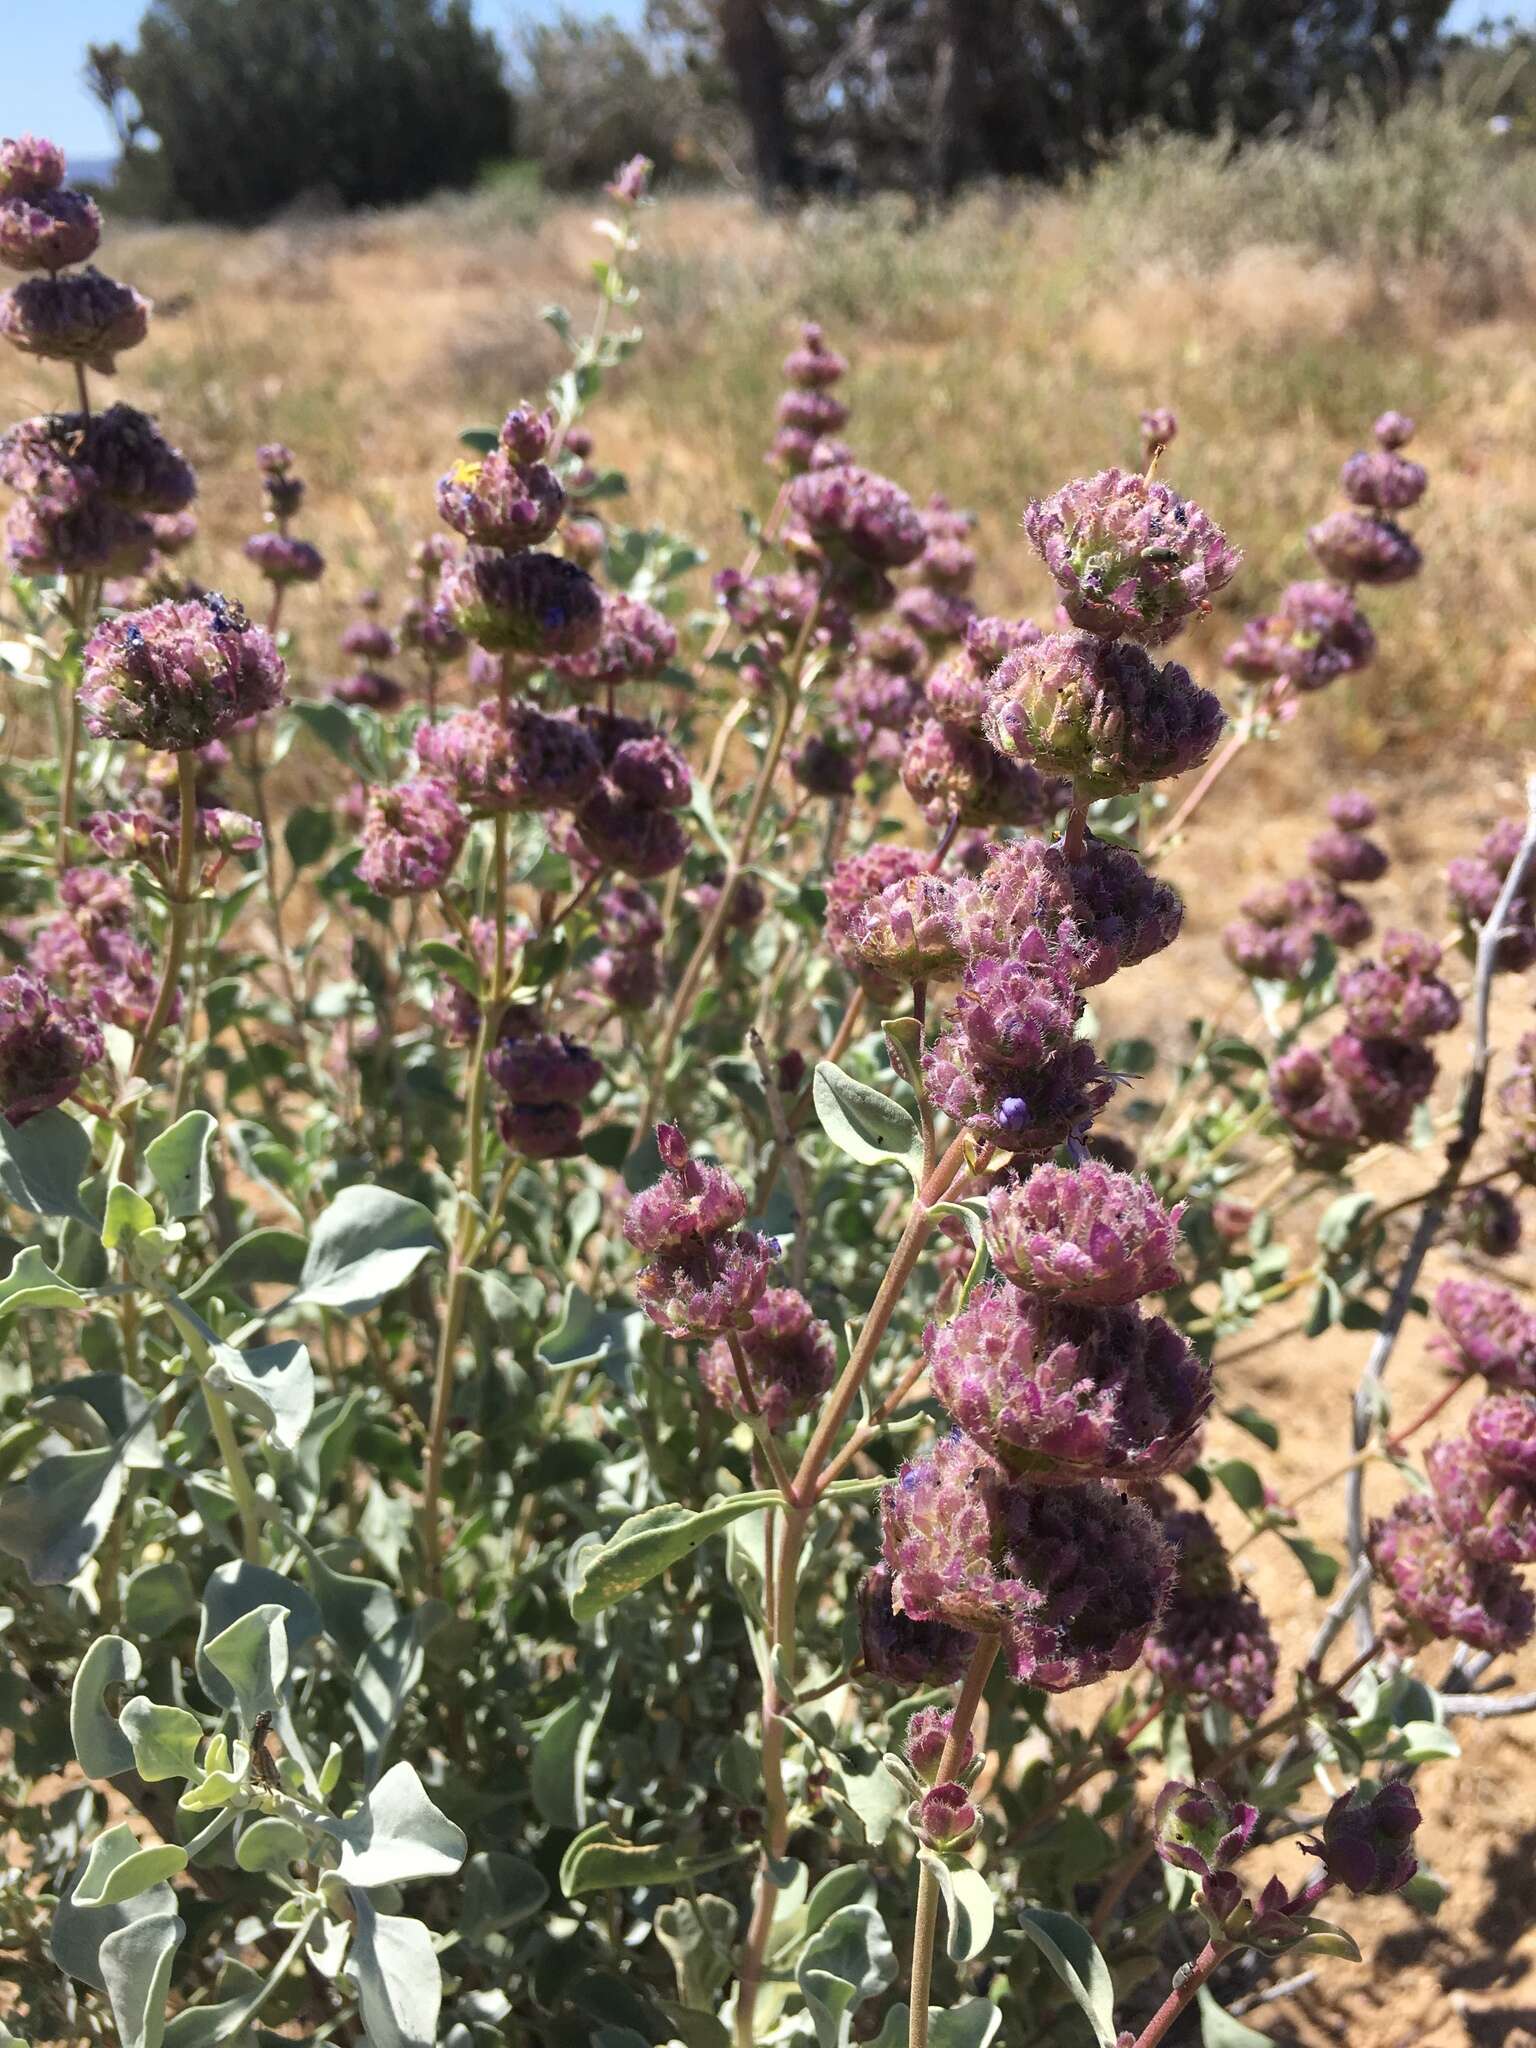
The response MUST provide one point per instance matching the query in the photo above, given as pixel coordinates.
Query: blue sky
(45, 41)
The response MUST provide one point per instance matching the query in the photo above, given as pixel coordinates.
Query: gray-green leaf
(274, 1384)
(847, 1960)
(136, 1963)
(647, 1544)
(119, 1869)
(1071, 1953)
(42, 1163)
(968, 1906)
(251, 1655)
(865, 1124)
(165, 1740)
(397, 1836)
(367, 1243)
(100, 1742)
(54, 1520)
(179, 1161)
(399, 1980)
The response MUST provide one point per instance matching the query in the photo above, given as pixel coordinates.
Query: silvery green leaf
(865, 1124)
(165, 1740)
(32, 1284)
(136, 1963)
(1072, 1954)
(1218, 2029)
(383, 1678)
(971, 2025)
(119, 1868)
(397, 1836)
(179, 1161)
(270, 1843)
(109, 1408)
(398, 1977)
(599, 1861)
(78, 1932)
(968, 1906)
(846, 1961)
(586, 1335)
(698, 1934)
(500, 1891)
(648, 1544)
(274, 1384)
(100, 1743)
(251, 1655)
(237, 1588)
(367, 1243)
(561, 1752)
(42, 1163)
(54, 1520)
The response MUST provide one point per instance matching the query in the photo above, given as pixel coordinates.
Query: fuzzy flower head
(46, 1045)
(951, 772)
(944, 1819)
(910, 931)
(29, 167)
(1218, 1649)
(1084, 1235)
(534, 604)
(1386, 1079)
(1358, 547)
(1365, 1843)
(1159, 427)
(82, 317)
(1061, 1394)
(540, 1130)
(502, 500)
(1393, 430)
(49, 231)
(1100, 712)
(637, 644)
(412, 836)
(1007, 1063)
(178, 675)
(895, 1647)
(854, 884)
(1490, 1514)
(1438, 1591)
(1487, 1220)
(1387, 1001)
(791, 1360)
(283, 560)
(691, 1201)
(928, 1734)
(525, 761)
(1099, 911)
(616, 829)
(532, 1065)
(1381, 480)
(1201, 1827)
(1073, 1577)
(1347, 856)
(1322, 635)
(1131, 558)
(1485, 1329)
(712, 1286)
(1503, 1427)
(824, 765)
(851, 511)
(1313, 1103)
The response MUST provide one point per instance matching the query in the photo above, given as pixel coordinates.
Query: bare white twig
(1457, 1153)
(1487, 1706)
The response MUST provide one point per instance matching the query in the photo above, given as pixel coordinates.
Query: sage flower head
(1130, 557)
(179, 674)
(791, 1360)
(1438, 1591)
(412, 837)
(1083, 1235)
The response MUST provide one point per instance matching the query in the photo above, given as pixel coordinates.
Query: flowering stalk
(925, 1922)
(1186, 1988)
(182, 903)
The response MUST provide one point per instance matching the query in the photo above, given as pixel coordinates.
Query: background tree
(369, 102)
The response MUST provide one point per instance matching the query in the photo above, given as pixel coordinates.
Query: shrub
(593, 1337)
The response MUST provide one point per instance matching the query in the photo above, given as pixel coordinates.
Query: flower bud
(1357, 548)
(49, 231)
(944, 1818)
(284, 560)
(928, 1734)
(1366, 1836)
(1199, 1828)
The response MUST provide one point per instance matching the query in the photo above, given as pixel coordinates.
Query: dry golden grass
(994, 353)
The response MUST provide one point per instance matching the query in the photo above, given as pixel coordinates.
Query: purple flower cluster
(46, 1045)
(412, 837)
(909, 931)
(703, 1273)
(629, 822)
(178, 675)
(958, 689)
(1097, 911)
(1487, 1220)
(1071, 1576)
(1130, 556)
(627, 971)
(1439, 1589)
(97, 493)
(1100, 712)
(636, 644)
(1212, 1642)
(1083, 1236)
(1401, 996)
(1517, 1102)
(275, 553)
(509, 499)
(520, 759)
(850, 514)
(546, 1077)
(533, 604)
(809, 410)
(1356, 1092)
(790, 1359)
(1486, 1330)
(951, 772)
(91, 951)
(855, 884)
(1475, 882)
(894, 1646)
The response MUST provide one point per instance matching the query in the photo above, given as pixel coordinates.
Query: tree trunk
(953, 154)
(751, 47)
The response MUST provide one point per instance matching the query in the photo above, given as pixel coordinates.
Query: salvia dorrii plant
(613, 1398)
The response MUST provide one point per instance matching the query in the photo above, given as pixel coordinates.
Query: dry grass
(994, 353)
